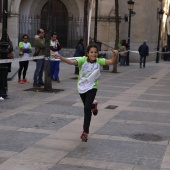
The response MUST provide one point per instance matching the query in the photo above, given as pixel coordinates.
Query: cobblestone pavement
(40, 130)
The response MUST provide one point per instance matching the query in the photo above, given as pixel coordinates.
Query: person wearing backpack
(24, 52)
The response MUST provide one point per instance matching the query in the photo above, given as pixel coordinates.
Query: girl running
(89, 72)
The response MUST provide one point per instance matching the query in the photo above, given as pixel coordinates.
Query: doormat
(36, 89)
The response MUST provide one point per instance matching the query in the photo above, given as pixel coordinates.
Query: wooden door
(60, 20)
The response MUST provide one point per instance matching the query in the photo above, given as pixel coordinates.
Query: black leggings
(22, 65)
(87, 99)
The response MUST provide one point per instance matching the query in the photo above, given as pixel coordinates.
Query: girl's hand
(53, 55)
(115, 52)
(56, 56)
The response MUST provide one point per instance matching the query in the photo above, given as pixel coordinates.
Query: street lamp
(130, 8)
(95, 23)
(161, 12)
(3, 52)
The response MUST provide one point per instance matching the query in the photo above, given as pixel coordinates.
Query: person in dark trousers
(24, 52)
(55, 47)
(123, 53)
(10, 54)
(165, 55)
(39, 50)
(143, 52)
(79, 52)
(89, 72)
(7, 67)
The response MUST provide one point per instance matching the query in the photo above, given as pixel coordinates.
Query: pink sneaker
(84, 137)
(95, 110)
(20, 81)
(25, 81)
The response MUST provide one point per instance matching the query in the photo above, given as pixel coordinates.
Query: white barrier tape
(20, 59)
(71, 58)
(53, 59)
(135, 52)
(32, 58)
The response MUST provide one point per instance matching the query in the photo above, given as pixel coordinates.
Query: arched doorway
(60, 20)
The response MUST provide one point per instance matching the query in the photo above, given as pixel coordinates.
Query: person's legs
(52, 64)
(140, 61)
(25, 64)
(76, 70)
(21, 66)
(40, 77)
(88, 99)
(38, 71)
(121, 60)
(144, 61)
(56, 70)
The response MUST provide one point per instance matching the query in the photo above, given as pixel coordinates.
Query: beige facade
(144, 24)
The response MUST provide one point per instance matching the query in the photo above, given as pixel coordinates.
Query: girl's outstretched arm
(66, 60)
(113, 59)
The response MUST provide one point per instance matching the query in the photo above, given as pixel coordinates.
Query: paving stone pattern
(128, 129)
(41, 131)
(143, 116)
(121, 152)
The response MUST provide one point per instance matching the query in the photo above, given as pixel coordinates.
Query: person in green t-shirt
(24, 52)
(89, 72)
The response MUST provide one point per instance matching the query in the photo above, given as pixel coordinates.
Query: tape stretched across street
(71, 58)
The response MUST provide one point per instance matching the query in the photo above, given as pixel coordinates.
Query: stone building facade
(144, 24)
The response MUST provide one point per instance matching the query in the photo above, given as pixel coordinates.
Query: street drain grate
(111, 107)
(36, 89)
(147, 137)
(153, 78)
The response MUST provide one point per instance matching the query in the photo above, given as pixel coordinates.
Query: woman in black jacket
(79, 52)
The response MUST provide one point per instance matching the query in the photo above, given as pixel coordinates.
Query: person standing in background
(143, 51)
(165, 55)
(79, 52)
(7, 66)
(55, 64)
(123, 54)
(39, 50)
(10, 53)
(24, 52)
(119, 47)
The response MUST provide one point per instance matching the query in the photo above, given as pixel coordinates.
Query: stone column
(13, 28)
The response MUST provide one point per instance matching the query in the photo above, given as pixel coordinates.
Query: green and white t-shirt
(85, 70)
(25, 45)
